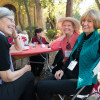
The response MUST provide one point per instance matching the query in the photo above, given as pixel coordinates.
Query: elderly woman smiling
(14, 85)
(83, 58)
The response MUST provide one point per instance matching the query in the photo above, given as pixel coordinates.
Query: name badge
(72, 65)
(67, 53)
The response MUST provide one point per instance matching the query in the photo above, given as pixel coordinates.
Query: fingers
(28, 67)
(14, 33)
(63, 36)
(59, 74)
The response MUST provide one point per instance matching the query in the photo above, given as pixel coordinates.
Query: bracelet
(15, 37)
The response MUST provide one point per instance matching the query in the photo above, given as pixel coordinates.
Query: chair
(61, 97)
(95, 71)
(47, 68)
(47, 62)
(78, 96)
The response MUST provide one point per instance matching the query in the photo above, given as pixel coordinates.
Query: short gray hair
(5, 12)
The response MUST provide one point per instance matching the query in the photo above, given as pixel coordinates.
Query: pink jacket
(61, 44)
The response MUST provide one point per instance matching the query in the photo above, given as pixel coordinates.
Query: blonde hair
(94, 15)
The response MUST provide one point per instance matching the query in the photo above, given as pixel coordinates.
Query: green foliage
(58, 32)
(33, 28)
(22, 5)
(47, 3)
(53, 7)
(99, 1)
(50, 34)
(76, 9)
(94, 6)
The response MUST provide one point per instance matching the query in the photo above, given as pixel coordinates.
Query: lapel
(77, 42)
(80, 38)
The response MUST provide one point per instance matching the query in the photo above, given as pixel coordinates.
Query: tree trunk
(34, 16)
(29, 21)
(98, 4)
(20, 18)
(53, 24)
(39, 13)
(69, 8)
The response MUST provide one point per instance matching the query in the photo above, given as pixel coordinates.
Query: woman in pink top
(69, 28)
(58, 84)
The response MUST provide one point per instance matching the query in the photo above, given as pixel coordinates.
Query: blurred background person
(24, 33)
(38, 67)
(24, 37)
(38, 37)
(18, 29)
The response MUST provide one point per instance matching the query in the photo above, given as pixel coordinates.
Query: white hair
(5, 12)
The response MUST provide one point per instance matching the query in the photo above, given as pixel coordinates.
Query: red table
(31, 51)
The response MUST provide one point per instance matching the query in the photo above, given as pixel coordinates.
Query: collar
(81, 37)
(88, 36)
(2, 33)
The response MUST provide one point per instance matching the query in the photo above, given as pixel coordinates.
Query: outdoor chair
(95, 71)
(47, 69)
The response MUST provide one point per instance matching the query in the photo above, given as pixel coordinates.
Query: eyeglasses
(68, 45)
(10, 19)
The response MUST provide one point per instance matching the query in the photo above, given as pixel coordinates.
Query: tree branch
(98, 4)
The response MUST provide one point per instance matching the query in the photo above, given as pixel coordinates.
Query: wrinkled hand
(27, 68)
(63, 36)
(14, 34)
(59, 74)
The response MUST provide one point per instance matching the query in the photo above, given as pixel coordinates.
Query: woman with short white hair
(14, 85)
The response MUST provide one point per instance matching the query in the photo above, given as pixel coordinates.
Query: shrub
(51, 34)
(33, 28)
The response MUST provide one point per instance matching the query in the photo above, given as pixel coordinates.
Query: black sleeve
(99, 47)
(4, 53)
(64, 68)
(58, 58)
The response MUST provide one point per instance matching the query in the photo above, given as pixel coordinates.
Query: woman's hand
(63, 36)
(59, 74)
(14, 34)
(9, 76)
(17, 44)
(27, 68)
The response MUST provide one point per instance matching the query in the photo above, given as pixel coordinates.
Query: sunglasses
(68, 46)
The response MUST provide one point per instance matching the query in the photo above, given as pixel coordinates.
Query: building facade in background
(23, 16)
